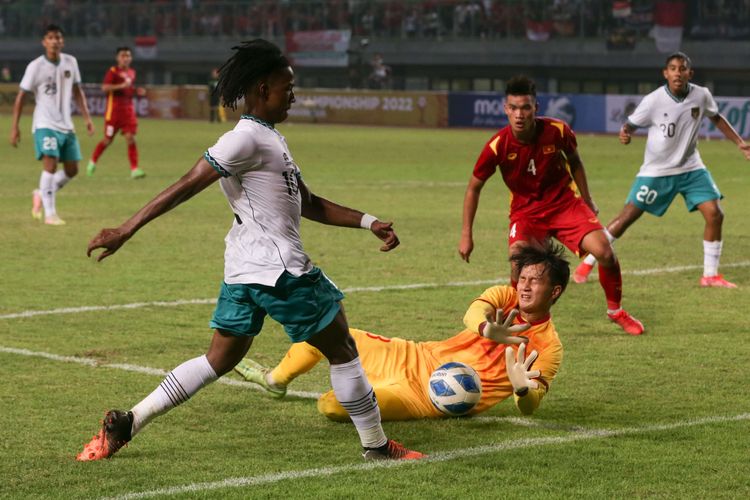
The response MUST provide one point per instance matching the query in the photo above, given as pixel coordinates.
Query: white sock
(711, 256)
(179, 386)
(590, 259)
(354, 392)
(47, 190)
(61, 178)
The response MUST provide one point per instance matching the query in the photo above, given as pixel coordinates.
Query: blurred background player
(400, 369)
(539, 162)
(672, 164)
(119, 85)
(54, 79)
(266, 270)
(216, 112)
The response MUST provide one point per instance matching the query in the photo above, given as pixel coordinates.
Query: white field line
(248, 481)
(412, 286)
(139, 369)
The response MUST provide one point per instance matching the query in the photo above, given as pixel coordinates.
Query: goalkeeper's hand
(501, 331)
(518, 370)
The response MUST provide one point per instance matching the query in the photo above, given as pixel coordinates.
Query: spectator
(380, 77)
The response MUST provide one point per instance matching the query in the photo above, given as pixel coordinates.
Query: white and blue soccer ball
(455, 388)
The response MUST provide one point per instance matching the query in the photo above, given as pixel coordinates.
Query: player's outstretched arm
(327, 212)
(471, 203)
(730, 133)
(193, 182)
(528, 394)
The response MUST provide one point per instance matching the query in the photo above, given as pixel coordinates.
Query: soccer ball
(454, 388)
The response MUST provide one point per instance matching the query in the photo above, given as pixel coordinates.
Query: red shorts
(125, 122)
(568, 224)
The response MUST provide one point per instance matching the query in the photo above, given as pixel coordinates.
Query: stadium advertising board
(735, 109)
(416, 109)
(583, 112)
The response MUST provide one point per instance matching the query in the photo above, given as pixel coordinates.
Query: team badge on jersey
(512, 156)
(67, 73)
(548, 149)
(694, 112)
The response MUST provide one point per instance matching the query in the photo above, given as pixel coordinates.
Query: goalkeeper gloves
(518, 370)
(500, 331)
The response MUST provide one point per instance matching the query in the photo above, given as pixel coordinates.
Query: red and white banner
(669, 19)
(324, 48)
(145, 47)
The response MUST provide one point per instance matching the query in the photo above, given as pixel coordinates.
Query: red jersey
(119, 101)
(536, 173)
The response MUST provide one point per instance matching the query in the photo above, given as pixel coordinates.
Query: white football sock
(354, 392)
(590, 259)
(61, 178)
(711, 256)
(47, 191)
(179, 385)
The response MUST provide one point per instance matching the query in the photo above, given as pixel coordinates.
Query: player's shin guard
(133, 155)
(711, 256)
(47, 190)
(611, 280)
(357, 396)
(179, 386)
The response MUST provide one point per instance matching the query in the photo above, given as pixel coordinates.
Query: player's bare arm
(15, 131)
(626, 133)
(193, 182)
(80, 98)
(578, 172)
(326, 212)
(730, 133)
(471, 203)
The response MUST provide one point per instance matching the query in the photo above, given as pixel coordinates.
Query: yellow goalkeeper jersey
(401, 369)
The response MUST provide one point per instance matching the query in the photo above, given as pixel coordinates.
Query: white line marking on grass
(385, 288)
(238, 482)
(531, 423)
(140, 369)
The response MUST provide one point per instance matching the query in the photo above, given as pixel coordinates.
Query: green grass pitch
(663, 415)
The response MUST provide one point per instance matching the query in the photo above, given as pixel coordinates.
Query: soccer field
(666, 414)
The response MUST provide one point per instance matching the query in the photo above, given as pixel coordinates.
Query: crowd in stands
(538, 20)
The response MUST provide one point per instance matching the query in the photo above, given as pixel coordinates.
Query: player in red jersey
(119, 84)
(539, 162)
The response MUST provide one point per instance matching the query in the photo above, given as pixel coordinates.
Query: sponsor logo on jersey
(512, 156)
(694, 112)
(548, 149)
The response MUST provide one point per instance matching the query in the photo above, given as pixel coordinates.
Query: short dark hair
(551, 255)
(520, 85)
(252, 61)
(122, 49)
(679, 55)
(52, 28)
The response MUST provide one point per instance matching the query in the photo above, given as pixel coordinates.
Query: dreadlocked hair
(251, 61)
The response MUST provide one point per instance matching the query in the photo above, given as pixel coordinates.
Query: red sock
(99, 150)
(133, 156)
(611, 281)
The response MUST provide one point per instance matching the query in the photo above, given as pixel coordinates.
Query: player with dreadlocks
(266, 270)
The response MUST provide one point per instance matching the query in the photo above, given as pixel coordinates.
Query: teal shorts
(64, 146)
(304, 305)
(655, 194)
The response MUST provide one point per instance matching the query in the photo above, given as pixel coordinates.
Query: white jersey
(261, 182)
(52, 86)
(673, 123)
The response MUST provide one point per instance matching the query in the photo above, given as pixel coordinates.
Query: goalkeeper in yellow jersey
(492, 344)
